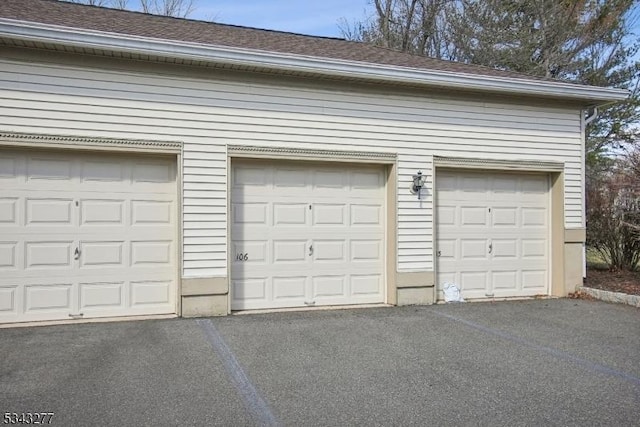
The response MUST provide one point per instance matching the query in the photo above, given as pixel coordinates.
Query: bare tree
(613, 214)
(177, 8)
(415, 26)
(120, 4)
(91, 2)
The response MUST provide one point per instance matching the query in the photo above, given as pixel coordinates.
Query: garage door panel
(504, 217)
(366, 180)
(492, 229)
(329, 251)
(102, 253)
(48, 254)
(447, 249)
(145, 212)
(152, 172)
(505, 280)
(290, 214)
(366, 214)
(102, 171)
(366, 250)
(49, 211)
(54, 296)
(8, 211)
(534, 279)
(8, 256)
(473, 284)
(284, 178)
(534, 217)
(102, 212)
(504, 186)
(329, 214)
(534, 248)
(505, 248)
(150, 292)
(288, 288)
(327, 181)
(49, 169)
(8, 167)
(151, 253)
(102, 295)
(250, 213)
(250, 290)
(82, 230)
(473, 216)
(325, 228)
(474, 249)
(328, 286)
(256, 251)
(473, 184)
(8, 300)
(535, 185)
(447, 215)
(289, 251)
(366, 285)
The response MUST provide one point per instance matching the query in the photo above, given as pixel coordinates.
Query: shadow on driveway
(544, 362)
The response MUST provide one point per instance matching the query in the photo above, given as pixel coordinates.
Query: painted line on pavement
(258, 408)
(552, 351)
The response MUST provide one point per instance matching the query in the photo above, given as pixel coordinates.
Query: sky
(313, 17)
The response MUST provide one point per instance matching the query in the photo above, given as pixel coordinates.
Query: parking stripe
(549, 350)
(256, 405)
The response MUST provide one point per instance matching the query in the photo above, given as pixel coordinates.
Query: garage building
(162, 166)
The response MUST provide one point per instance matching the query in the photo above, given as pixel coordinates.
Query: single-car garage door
(493, 233)
(306, 234)
(86, 235)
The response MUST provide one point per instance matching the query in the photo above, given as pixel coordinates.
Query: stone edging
(615, 297)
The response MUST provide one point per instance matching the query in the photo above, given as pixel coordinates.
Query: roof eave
(276, 61)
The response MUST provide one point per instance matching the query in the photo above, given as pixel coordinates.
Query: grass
(595, 260)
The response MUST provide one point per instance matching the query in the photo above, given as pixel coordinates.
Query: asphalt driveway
(545, 362)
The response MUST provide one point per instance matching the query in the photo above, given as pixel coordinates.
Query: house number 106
(242, 257)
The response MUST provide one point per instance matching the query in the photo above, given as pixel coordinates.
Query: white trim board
(93, 41)
(34, 140)
(290, 153)
(504, 165)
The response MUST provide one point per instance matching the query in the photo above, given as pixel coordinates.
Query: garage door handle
(490, 247)
(310, 250)
(76, 254)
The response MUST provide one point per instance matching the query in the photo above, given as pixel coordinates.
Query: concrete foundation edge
(205, 306)
(415, 288)
(205, 296)
(614, 297)
(415, 296)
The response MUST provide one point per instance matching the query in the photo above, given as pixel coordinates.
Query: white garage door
(86, 235)
(493, 234)
(304, 234)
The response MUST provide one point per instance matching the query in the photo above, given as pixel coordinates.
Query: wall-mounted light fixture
(418, 183)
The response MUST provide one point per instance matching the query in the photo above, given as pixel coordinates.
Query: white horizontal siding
(207, 115)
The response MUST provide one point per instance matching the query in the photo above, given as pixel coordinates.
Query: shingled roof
(80, 16)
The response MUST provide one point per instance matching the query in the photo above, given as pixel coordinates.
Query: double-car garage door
(306, 234)
(86, 235)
